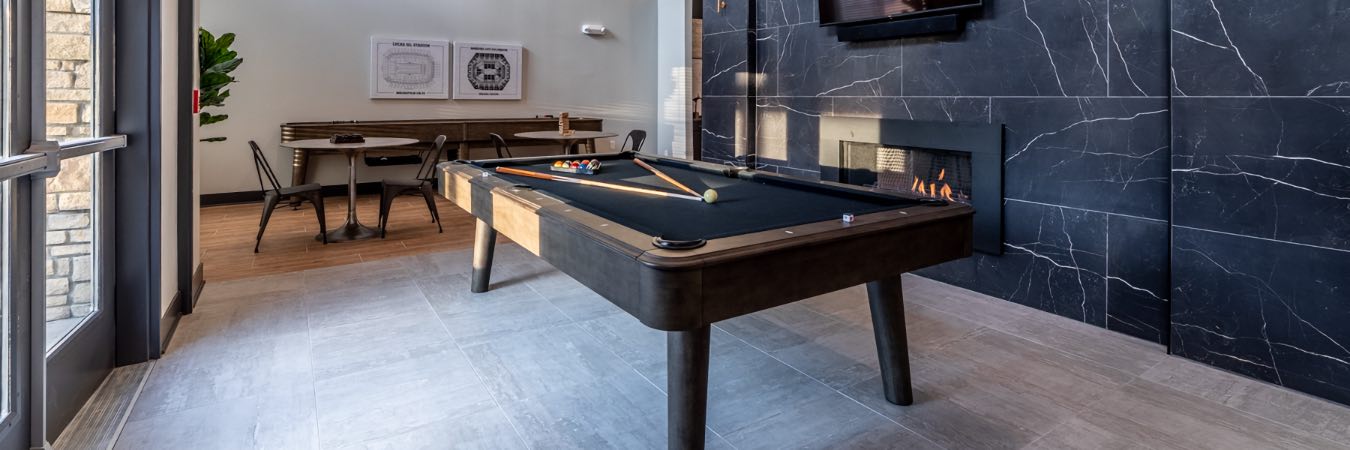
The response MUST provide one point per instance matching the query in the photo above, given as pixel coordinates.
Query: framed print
(409, 69)
(488, 71)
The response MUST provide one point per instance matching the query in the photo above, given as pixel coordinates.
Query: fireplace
(931, 173)
(956, 162)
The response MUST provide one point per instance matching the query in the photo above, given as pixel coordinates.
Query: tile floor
(397, 354)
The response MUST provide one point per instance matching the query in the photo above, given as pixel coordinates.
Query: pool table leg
(888, 322)
(687, 384)
(484, 244)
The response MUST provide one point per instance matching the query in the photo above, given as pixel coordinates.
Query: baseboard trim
(230, 198)
(168, 324)
(198, 283)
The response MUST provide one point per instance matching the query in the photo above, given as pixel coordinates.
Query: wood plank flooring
(228, 232)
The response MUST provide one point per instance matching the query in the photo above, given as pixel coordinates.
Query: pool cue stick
(710, 196)
(544, 176)
(663, 176)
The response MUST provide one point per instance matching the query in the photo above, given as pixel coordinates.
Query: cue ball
(710, 196)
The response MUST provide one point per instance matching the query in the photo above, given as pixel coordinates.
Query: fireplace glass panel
(922, 171)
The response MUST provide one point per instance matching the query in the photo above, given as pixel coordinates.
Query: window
(73, 213)
(70, 70)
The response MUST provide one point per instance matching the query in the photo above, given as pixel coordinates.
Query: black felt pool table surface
(743, 206)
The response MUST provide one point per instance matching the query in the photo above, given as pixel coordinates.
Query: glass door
(56, 316)
(79, 337)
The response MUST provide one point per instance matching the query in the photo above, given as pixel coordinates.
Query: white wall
(169, 156)
(307, 60)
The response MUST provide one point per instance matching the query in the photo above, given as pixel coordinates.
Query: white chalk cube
(848, 218)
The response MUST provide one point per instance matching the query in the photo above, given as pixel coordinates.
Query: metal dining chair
(503, 150)
(424, 184)
(273, 193)
(637, 137)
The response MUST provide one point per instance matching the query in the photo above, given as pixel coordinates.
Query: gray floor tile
(361, 346)
(365, 304)
(644, 348)
(398, 398)
(1131, 356)
(562, 388)
(993, 390)
(580, 305)
(926, 326)
(451, 294)
(968, 305)
(399, 354)
(815, 417)
(477, 318)
(339, 278)
(261, 422)
(1077, 433)
(1162, 417)
(1314, 416)
(236, 292)
(210, 328)
(782, 327)
(194, 378)
(486, 430)
(436, 265)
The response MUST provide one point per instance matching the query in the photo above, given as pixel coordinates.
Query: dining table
(569, 141)
(352, 229)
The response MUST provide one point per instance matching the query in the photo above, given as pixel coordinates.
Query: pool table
(679, 265)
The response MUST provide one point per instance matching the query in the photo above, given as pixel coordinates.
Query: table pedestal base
(350, 231)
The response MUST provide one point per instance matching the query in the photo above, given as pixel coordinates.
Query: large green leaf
(216, 61)
(212, 81)
(208, 118)
(225, 67)
(225, 40)
(214, 100)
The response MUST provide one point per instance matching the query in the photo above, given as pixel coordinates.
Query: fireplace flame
(931, 189)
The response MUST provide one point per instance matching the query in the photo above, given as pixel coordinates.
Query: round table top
(556, 136)
(371, 142)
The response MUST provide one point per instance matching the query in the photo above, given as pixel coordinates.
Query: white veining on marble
(1071, 126)
(1261, 82)
(1046, 44)
(1202, 41)
(1241, 173)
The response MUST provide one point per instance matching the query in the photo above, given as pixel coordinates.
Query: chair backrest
(430, 158)
(637, 137)
(264, 169)
(503, 150)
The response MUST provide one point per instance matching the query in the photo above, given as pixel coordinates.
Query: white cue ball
(710, 196)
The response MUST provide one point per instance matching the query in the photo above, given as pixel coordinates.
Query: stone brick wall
(70, 74)
(70, 228)
(70, 113)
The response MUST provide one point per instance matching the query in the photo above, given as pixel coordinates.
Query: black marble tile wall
(1081, 155)
(1224, 122)
(1261, 169)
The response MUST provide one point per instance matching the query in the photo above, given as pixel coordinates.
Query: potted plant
(216, 62)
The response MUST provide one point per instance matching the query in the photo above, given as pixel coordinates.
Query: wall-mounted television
(850, 12)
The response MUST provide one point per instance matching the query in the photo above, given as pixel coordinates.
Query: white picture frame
(488, 71)
(409, 68)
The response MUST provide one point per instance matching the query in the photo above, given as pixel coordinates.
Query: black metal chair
(637, 137)
(424, 184)
(503, 150)
(273, 195)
